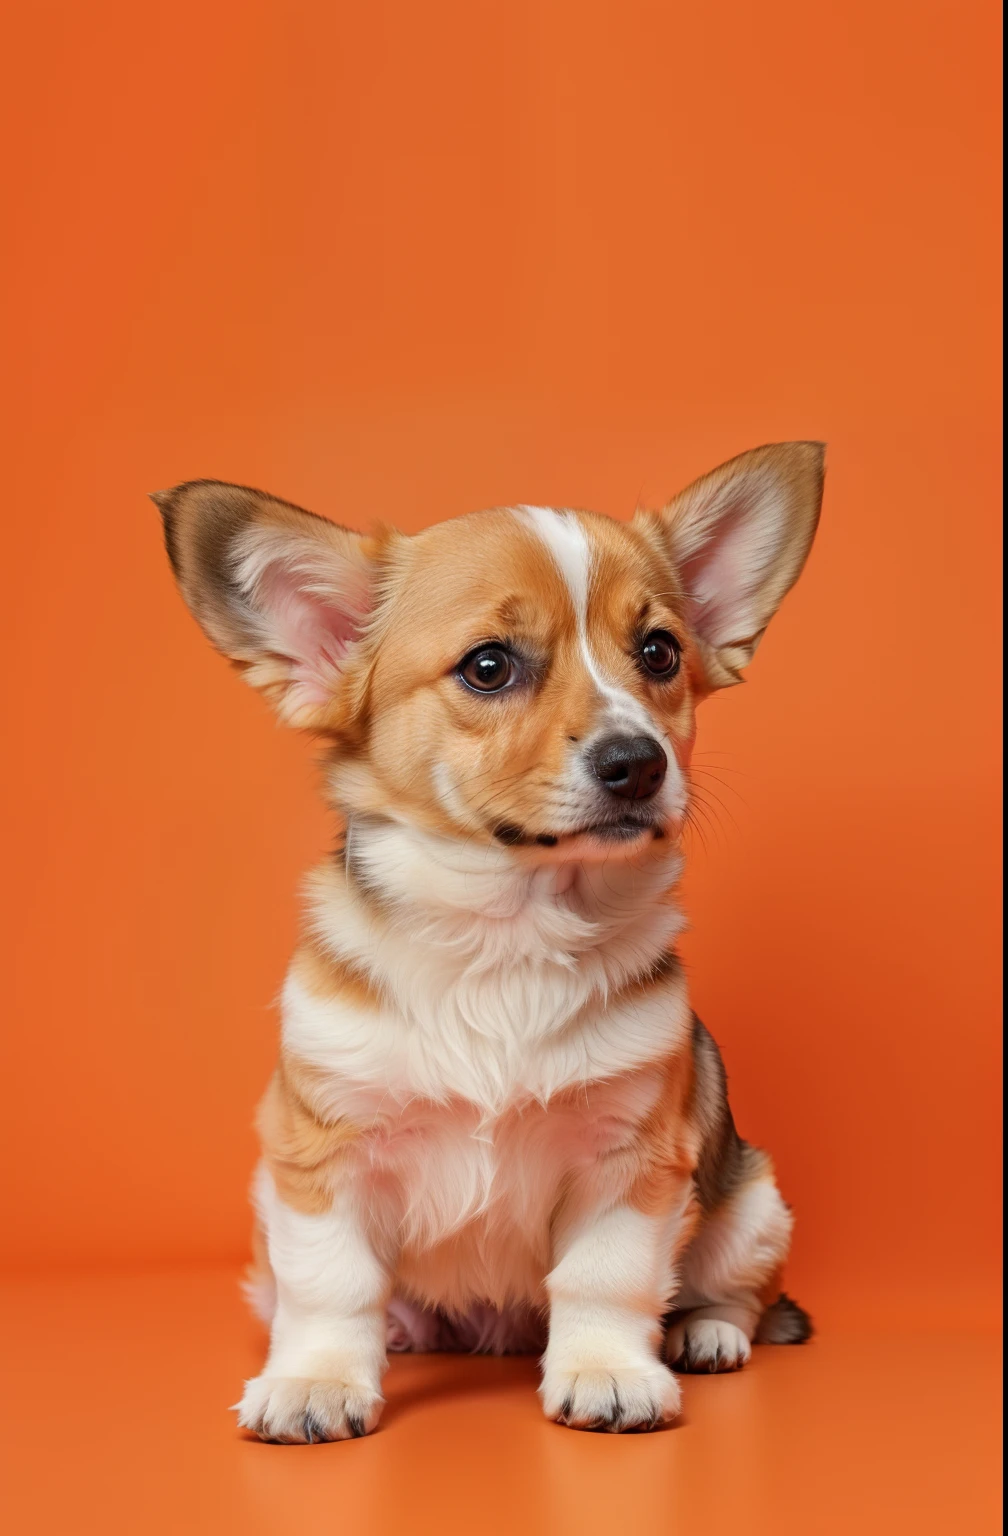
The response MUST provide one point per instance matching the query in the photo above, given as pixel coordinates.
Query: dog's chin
(598, 843)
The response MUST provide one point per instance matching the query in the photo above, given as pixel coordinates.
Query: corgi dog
(495, 1123)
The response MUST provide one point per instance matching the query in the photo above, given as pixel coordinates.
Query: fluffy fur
(495, 1123)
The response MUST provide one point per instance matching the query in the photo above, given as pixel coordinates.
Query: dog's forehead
(550, 557)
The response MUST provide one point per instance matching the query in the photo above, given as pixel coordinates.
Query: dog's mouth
(626, 829)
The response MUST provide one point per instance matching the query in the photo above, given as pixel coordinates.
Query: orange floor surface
(116, 1421)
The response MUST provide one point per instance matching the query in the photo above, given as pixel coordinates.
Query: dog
(495, 1123)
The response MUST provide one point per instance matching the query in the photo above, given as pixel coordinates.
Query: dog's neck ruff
(488, 911)
(499, 983)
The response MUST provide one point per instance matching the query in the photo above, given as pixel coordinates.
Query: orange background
(399, 262)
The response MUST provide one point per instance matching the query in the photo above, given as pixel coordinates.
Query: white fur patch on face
(568, 543)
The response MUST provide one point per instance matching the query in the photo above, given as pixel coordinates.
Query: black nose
(632, 767)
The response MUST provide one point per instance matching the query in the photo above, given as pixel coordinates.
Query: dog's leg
(322, 1380)
(609, 1287)
(730, 1273)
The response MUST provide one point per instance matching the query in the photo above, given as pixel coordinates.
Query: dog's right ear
(281, 592)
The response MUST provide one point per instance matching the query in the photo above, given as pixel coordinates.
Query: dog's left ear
(738, 539)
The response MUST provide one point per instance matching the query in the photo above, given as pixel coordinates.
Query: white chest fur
(511, 1052)
(471, 1196)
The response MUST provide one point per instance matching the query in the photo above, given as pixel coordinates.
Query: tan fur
(326, 975)
(668, 1145)
(302, 1151)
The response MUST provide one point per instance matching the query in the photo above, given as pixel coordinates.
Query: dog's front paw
(615, 1399)
(296, 1410)
(707, 1345)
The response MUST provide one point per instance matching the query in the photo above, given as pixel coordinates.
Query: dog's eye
(660, 653)
(488, 669)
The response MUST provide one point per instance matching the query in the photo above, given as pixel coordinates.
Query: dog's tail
(785, 1322)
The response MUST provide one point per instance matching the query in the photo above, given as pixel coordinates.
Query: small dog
(495, 1123)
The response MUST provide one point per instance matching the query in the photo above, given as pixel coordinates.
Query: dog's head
(522, 676)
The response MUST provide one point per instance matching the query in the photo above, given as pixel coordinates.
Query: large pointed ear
(281, 592)
(738, 539)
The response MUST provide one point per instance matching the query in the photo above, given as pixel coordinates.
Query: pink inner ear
(717, 582)
(313, 628)
(724, 575)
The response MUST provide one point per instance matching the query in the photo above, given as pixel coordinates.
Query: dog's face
(523, 676)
